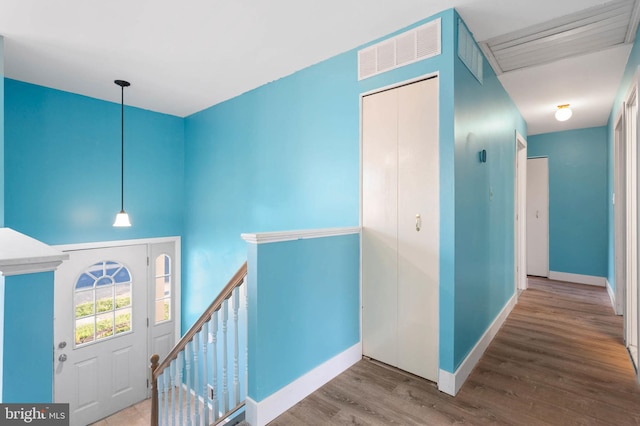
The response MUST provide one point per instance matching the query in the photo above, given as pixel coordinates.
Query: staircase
(203, 379)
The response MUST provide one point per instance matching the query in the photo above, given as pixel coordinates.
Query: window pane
(163, 310)
(122, 276)
(97, 270)
(123, 320)
(104, 325)
(104, 299)
(123, 295)
(84, 303)
(104, 281)
(84, 330)
(167, 265)
(85, 281)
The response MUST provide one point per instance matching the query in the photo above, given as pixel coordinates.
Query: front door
(100, 331)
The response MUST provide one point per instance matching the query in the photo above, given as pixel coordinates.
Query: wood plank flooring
(559, 359)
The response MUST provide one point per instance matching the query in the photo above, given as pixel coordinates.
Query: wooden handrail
(226, 292)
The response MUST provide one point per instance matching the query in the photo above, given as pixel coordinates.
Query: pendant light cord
(122, 152)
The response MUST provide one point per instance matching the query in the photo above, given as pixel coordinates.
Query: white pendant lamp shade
(563, 113)
(122, 218)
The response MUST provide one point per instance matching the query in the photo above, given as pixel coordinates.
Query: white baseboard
(578, 278)
(261, 413)
(451, 383)
(612, 297)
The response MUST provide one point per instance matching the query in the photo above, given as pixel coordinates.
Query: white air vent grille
(468, 52)
(419, 43)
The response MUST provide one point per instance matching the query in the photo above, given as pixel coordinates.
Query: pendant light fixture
(122, 218)
(563, 113)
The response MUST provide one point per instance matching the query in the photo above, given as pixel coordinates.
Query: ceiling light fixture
(563, 113)
(122, 218)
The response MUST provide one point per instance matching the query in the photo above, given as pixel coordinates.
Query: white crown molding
(21, 254)
(274, 237)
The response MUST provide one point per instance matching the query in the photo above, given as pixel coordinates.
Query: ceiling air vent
(590, 30)
(468, 52)
(411, 46)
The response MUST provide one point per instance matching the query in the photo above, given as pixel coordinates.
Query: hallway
(559, 359)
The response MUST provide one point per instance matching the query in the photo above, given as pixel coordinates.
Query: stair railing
(192, 384)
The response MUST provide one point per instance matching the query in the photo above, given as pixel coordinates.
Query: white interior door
(400, 236)
(379, 226)
(418, 228)
(538, 217)
(100, 332)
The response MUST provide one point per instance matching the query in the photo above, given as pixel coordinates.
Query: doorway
(538, 217)
(114, 306)
(520, 232)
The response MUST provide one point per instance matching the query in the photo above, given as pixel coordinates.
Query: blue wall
(304, 299)
(1, 198)
(625, 84)
(28, 338)
(285, 156)
(62, 186)
(577, 198)
(485, 118)
(2, 173)
(63, 167)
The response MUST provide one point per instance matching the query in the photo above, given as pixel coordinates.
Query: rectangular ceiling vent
(411, 46)
(468, 52)
(590, 30)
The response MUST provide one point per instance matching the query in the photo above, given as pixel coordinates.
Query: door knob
(418, 222)
(62, 358)
(62, 345)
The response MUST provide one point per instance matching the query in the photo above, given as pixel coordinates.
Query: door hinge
(147, 322)
(147, 383)
(147, 260)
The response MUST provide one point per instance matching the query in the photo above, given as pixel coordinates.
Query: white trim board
(21, 254)
(578, 278)
(612, 297)
(261, 413)
(274, 237)
(450, 383)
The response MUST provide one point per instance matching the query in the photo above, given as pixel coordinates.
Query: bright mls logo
(34, 414)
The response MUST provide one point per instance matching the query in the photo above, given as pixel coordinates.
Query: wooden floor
(559, 359)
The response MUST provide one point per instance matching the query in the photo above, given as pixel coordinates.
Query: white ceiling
(182, 57)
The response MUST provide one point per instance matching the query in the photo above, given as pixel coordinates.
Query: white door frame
(632, 327)
(520, 219)
(619, 210)
(143, 241)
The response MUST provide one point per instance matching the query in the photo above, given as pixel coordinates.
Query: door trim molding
(520, 206)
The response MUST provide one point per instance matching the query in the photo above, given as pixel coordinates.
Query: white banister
(205, 370)
(188, 358)
(225, 364)
(214, 338)
(194, 382)
(236, 349)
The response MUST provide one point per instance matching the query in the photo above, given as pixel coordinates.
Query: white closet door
(418, 228)
(399, 261)
(379, 222)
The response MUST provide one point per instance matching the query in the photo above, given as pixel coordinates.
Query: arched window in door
(102, 302)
